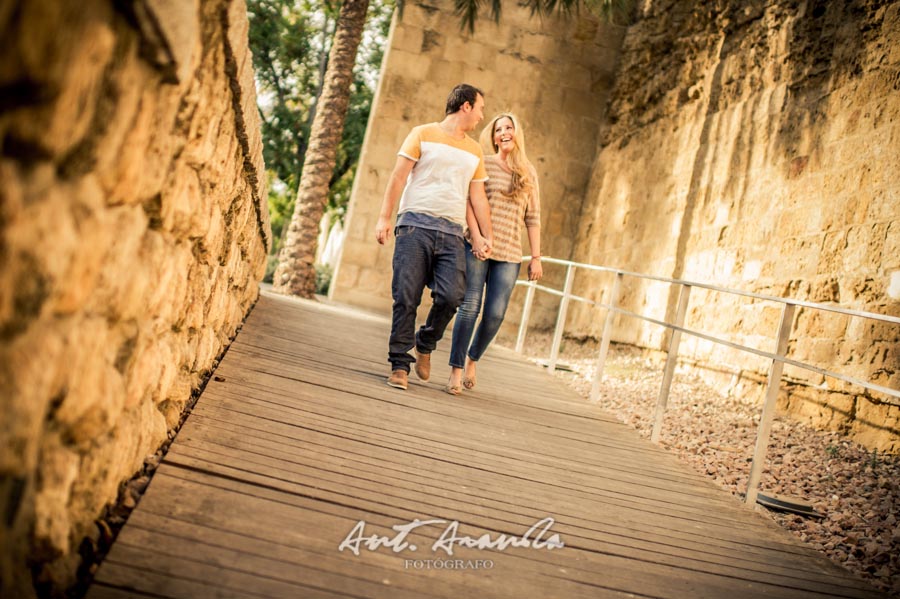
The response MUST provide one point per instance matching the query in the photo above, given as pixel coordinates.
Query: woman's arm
(533, 226)
(481, 211)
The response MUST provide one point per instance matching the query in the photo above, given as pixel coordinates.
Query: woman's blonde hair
(522, 170)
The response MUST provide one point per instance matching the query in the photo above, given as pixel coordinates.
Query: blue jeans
(498, 278)
(424, 257)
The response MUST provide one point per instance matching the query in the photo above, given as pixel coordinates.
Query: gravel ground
(856, 490)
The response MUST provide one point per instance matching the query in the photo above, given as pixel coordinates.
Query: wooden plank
(300, 439)
(297, 464)
(153, 572)
(644, 548)
(317, 527)
(103, 591)
(477, 444)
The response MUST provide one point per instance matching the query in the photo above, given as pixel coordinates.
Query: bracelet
(535, 257)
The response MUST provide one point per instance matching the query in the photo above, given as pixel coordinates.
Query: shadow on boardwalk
(297, 439)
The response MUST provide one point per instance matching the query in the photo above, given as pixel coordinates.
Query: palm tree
(296, 274)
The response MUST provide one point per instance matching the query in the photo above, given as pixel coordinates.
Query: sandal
(452, 389)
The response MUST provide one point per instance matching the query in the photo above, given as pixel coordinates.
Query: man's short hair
(461, 94)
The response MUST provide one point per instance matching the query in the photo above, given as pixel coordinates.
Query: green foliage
(290, 41)
(873, 463)
(286, 62)
(619, 12)
(323, 278)
(281, 204)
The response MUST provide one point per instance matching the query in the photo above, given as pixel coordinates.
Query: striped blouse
(509, 212)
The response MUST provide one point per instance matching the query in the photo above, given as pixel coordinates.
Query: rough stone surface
(132, 239)
(745, 146)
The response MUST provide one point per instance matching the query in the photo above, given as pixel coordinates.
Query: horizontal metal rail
(720, 341)
(772, 298)
(778, 358)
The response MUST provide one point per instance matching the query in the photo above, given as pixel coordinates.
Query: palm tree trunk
(323, 70)
(296, 273)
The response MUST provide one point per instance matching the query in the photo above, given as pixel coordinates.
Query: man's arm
(482, 211)
(474, 232)
(471, 222)
(395, 186)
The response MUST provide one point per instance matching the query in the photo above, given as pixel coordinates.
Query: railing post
(561, 317)
(768, 412)
(526, 314)
(607, 333)
(671, 360)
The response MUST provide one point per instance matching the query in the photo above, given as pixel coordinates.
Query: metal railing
(778, 359)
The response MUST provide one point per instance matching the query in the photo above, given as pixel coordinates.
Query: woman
(512, 190)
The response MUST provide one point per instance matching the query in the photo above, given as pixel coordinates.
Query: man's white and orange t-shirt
(438, 184)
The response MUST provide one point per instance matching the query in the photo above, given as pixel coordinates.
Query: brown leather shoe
(398, 379)
(423, 366)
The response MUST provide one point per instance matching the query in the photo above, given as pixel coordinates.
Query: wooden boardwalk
(297, 439)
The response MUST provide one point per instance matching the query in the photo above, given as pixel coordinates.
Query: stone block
(347, 276)
(199, 287)
(215, 236)
(119, 124)
(142, 375)
(871, 419)
(207, 349)
(890, 256)
(477, 76)
(180, 200)
(203, 138)
(408, 37)
(361, 226)
(371, 280)
(122, 289)
(35, 276)
(96, 234)
(448, 71)
(884, 203)
(56, 475)
(168, 268)
(170, 30)
(413, 63)
(95, 392)
(165, 377)
(540, 47)
(70, 68)
(578, 102)
(29, 386)
(418, 15)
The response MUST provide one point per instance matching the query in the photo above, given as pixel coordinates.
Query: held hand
(486, 248)
(535, 270)
(477, 242)
(382, 230)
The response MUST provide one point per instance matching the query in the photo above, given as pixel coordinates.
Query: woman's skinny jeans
(492, 281)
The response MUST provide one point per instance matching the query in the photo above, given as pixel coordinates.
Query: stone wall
(554, 73)
(133, 233)
(753, 145)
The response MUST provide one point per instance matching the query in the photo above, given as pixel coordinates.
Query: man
(437, 168)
